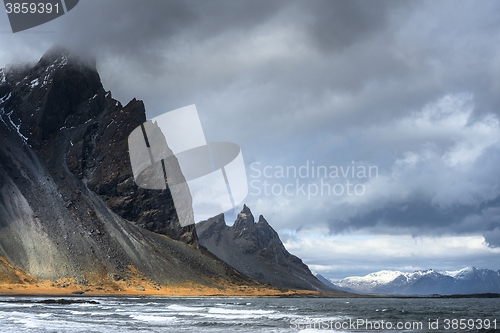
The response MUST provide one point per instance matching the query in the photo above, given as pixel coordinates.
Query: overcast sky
(410, 89)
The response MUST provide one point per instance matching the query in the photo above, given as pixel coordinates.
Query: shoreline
(23, 291)
(186, 290)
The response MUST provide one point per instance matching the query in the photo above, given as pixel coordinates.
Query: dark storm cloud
(425, 219)
(138, 31)
(330, 81)
(140, 27)
(335, 25)
(143, 27)
(492, 238)
(442, 200)
(126, 26)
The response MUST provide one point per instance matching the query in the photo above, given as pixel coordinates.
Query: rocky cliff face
(256, 250)
(68, 203)
(61, 104)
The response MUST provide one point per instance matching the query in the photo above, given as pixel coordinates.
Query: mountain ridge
(468, 280)
(255, 249)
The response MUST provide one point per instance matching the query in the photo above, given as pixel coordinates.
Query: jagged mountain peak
(261, 233)
(256, 250)
(262, 220)
(245, 219)
(60, 56)
(246, 210)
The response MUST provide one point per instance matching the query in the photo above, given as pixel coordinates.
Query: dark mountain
(68, 204)
(61, 101)
(469, 280)
(256, 250)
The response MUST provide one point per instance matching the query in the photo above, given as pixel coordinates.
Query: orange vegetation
(14, 281)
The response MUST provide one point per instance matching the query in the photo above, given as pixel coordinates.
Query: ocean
(148, 314)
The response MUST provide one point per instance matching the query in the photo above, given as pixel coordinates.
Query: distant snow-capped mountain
(468, 280)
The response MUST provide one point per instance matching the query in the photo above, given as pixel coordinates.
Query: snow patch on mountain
(460, 274)
(5, 98)
(380, 277)
(3, 77)
(17, 127)
(34, 83)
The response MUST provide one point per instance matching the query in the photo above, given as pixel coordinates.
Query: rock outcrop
(256, 250)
